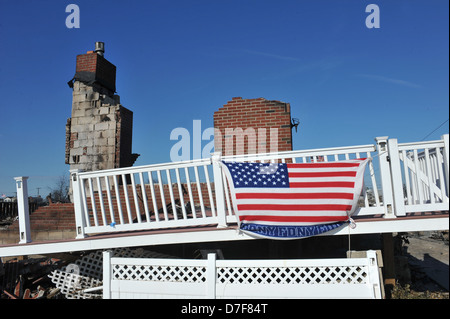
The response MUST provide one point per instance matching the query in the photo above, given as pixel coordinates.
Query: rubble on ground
(68, 277)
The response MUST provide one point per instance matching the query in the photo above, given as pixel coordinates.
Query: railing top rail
(301, 153)
(146, 168)
(246, 157)
(420, 145)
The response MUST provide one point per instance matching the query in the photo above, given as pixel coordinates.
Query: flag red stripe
(304, 219)
(294, 195)
(282, 207)
(316, 165)
(322, 174)
(322, 184)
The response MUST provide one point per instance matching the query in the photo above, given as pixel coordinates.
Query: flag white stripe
(299, 190)
(276, 201)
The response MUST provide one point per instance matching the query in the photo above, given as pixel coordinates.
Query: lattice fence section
(87, 272)
(289, 275)
(212, 278)
(161, 273)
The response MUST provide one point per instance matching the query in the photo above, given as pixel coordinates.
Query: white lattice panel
(160, 273)
(87, 272)
(289, 275)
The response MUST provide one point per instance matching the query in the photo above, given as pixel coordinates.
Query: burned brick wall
(248, 126)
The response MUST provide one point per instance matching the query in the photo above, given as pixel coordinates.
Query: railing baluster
(227, 194)
(430, 178)
(172, 200)
(445, 150)
(100, 199)
(108, 193)
(127, 200)
(152, 190)
(439, 167)
(163, 199)
(208, 184)
(414, 180)
(119, 205)
(144, 197)
(191, 199)
(180, 191)
(419, 180)
(93, 204)
(374, 182)
(135, 197)
(199, 191)
(405, 170)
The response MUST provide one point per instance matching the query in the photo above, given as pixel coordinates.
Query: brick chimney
(92, 67)
(248, 126)
(99, 133)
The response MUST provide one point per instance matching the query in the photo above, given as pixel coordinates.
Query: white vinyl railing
(146, 197)
(400, 179)
(425, 175)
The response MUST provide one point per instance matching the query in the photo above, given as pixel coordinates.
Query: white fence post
(218, 189)
(80, 221)
(446, 159)
(396, 174)
(374, 274)
(24, 212)
(107, 274)
(211, 277)
(385, 174)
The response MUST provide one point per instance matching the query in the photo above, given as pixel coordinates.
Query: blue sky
(179, 61)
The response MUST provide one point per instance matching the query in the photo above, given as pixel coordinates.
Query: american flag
(294, 200)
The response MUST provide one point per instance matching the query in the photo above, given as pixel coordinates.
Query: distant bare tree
(60, 191)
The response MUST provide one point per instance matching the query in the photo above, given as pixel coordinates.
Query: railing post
(374, 274)
(446, 158)
(80, 221)
(24, 212)
(397, 181)
(219, 191)
(385, 173)
(107, 274)
(211, 277)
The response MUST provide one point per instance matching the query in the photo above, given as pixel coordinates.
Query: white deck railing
(401, 178)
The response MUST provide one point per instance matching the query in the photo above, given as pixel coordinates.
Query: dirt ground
(427, 274)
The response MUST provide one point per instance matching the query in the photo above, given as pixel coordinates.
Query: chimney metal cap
(100, 48)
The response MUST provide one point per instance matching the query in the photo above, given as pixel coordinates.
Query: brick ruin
(99, 133)
(99, 136)
(249, 126)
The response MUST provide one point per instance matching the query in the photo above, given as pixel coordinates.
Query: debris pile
(27, 278)
(53, 278)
